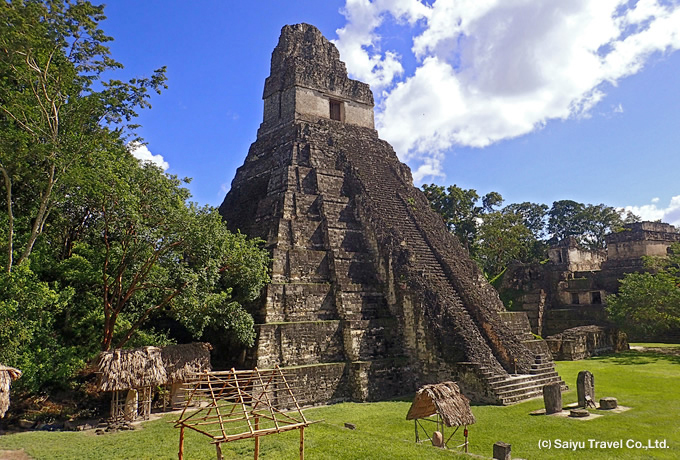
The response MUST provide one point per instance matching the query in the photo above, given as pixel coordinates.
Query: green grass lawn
(647, 382)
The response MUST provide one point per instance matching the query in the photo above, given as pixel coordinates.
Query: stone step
(538, 387)
(537, 366)
(521, 397)
(534, 380)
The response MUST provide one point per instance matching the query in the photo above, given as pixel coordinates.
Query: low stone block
(501, 451)
(579, 413)
(608, 403)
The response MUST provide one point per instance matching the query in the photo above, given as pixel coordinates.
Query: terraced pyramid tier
(371, 296)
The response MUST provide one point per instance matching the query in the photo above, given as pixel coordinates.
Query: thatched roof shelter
(181, 361)
(7, 374)
(133, 368)
(444, 399)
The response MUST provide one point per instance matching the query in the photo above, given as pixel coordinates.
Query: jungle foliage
(496, 235)
(97, 249)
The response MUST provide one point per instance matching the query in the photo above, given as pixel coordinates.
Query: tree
(502, 238)
(586, 222)
(96, 246)
(533, 216)
(154, 252)
(461, 209)
(29, 313)
(564, 219)
(648, 304)
(55, 109)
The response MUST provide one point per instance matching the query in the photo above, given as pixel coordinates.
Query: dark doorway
(336, 110)
(596, 297)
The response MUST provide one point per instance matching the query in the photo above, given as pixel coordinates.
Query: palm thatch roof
(7, 374)
(133, 368)
(444, 399)
(181, 361)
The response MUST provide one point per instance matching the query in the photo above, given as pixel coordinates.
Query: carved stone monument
(585, 389)
(552, 398)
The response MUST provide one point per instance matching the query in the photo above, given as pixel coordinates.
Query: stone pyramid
(370, 296)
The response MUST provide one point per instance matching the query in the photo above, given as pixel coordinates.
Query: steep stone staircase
(505, 388)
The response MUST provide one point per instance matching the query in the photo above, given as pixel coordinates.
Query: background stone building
(570, 289)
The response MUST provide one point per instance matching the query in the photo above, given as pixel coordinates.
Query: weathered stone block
(552, 398)
(501, 451)
(585, 387)
(608, 403)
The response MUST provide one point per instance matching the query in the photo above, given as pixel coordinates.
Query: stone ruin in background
(565, 298)
(371, 296)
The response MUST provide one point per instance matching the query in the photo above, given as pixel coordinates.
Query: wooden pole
(257, 438)
(465, 432)
(219, 451)
(302, 443)
(181, 443)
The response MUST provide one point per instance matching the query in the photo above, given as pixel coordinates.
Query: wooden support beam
(257, 438)
(302, 443)
(181, 443)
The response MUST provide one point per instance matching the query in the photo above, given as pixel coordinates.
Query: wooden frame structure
(122, 409)
(242, 404)
(451, 407)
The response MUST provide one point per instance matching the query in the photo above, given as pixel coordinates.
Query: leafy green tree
(146, 251)
(647, 304)
(565, 219)
(586, 222)
(502, 238)
(533, 216)
(55, 108)
(461, 209)
(29, 312)
(96, 246)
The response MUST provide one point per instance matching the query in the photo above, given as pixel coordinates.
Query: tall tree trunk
(40, 218)
(10, 217)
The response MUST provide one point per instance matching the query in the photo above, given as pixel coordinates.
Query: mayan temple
(370, 296)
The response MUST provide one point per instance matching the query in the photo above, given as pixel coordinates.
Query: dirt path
(673, 351)
(14, 455)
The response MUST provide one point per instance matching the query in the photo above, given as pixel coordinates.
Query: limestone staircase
(506, 388)
(514, 388)
(382, 190)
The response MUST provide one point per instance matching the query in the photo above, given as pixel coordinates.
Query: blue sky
(540, 101)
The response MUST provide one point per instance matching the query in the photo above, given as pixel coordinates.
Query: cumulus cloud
(359, 42)
(669, 214)
(489, 70)
(142, 153)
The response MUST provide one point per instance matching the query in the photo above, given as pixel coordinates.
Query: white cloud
(359, 43)
(669, 214)
(142, 153)
(489, 70)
